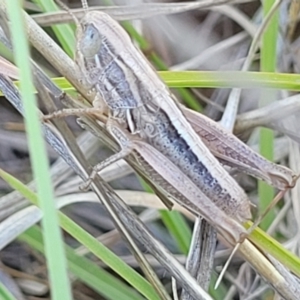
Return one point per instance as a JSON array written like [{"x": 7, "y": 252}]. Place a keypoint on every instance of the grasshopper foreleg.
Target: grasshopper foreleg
[{"x": 70, "y": 112}]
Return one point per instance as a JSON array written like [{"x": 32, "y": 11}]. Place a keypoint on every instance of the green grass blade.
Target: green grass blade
[
  {"x": 60, "y": 286},
  {"x": 217, "y": 79},
  {"x": 88, "y": 272},
  {"x": 178, "y": 228},
  {"x": 268, "y": 63},
  {"x": 231, "y": 79},
  {"x": 274, "y": 248},
  {"x": 5, "y": 293}
]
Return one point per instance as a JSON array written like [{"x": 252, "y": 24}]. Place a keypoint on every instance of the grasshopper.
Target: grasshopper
[
  {"x": 168, "y": 141},
  {"x": 133, "y": 129}
]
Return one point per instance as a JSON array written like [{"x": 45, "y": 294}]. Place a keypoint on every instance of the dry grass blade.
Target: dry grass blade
[
  {"x": 8, "y": 68},
  {"x": 281, "y": 115},
  {"x": 132, "y": 12},
  {"x": 201, "y": 254}
]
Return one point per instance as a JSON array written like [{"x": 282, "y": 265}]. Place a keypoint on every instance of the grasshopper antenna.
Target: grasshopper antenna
[
  {"x": 67, "y": 9},
  {"x": 85, "y": 5},
  {"x": 252, "y": 227}
]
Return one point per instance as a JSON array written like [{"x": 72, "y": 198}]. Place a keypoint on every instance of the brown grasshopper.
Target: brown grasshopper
[
  {"x": 139, "y": 126},
  {"x": 168, "y": 141}
]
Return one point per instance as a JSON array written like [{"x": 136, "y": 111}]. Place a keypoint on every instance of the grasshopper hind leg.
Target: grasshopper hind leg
[
  {"x": 107, "y": 162},
  {"x": 126, "y": 148}
]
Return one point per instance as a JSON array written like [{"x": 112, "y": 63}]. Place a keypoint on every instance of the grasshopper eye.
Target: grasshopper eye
[{"x": 91, "y": 41}]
